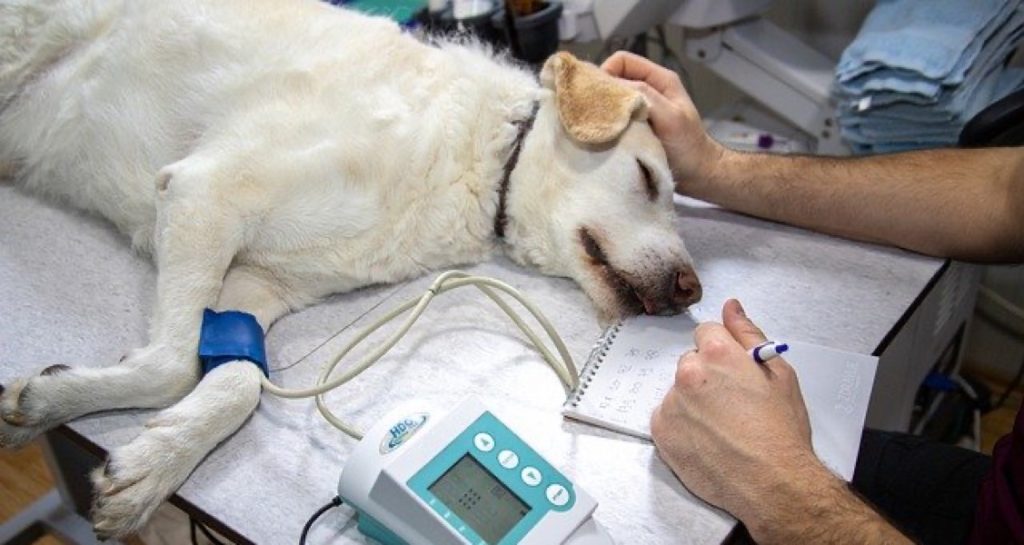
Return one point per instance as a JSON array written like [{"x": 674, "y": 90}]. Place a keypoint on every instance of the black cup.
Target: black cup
[{"x": 534, "y": 37}]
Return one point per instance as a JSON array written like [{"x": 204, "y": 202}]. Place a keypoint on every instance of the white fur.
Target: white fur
[{"x": 268, "y": 153}]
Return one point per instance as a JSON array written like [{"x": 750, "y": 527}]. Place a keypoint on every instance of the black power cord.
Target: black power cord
[{"x": 309, "y": 523}]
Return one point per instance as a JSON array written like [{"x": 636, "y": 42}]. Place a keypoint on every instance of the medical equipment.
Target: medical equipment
[
  {"x": 449, "y": 280},
  {"x": 469, "y": 479},
  {"x": 462, "y": 478},
  {"x": 733, "y": 40}
]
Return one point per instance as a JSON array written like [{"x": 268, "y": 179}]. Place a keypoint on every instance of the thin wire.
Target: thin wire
[
  {"x": 564, "y": 367},
  {"x": 569, "y": 378},
  {"x": 975, "y": 411},
  {"x": 336, "y": 333},
  {"x": 309, "y": 523}
]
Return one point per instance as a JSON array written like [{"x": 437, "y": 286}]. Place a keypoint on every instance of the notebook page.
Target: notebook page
[{"x": 628, "y": 374}]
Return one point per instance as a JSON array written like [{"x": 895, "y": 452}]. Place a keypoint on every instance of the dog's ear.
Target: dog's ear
[{"x": 593, "y": 107}]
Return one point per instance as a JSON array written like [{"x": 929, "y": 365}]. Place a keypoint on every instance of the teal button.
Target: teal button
[{"x": 531, "y": 476}]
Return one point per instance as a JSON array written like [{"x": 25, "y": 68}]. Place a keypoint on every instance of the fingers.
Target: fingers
[
  {"x": 660, "y": 109},
  {"x": 688, "y": 370},
  {"x": 749, "y": 336},
  {"x": 730, "y": 340},
  {"x": 782, "y": 370},
  {"x": 714, "y": 340},
  {"x": 739, "y": 326},
  {"x": 626, "y": 65},
  {"x": 656, "y": 100}
]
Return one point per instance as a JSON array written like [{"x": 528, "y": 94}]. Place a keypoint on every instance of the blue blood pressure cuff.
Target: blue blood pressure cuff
[{"x": 230, "y": 336}]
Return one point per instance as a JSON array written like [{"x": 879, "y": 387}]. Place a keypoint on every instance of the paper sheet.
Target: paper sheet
[{"x": 633, "y": 366}]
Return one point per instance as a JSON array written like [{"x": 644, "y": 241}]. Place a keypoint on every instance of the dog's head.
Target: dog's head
[{"x": 591, "y": 196}]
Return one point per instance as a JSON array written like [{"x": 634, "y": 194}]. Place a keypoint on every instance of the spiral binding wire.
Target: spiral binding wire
[{"x": 594, "y": 361}]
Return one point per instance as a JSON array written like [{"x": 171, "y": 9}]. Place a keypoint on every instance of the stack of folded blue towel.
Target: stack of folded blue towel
[{"x": 920, "y": 69}]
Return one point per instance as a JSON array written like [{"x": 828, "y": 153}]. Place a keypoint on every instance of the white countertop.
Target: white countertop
[{"x": 73, "y": 292}]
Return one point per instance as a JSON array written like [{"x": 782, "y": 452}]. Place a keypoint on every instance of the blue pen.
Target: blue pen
[{"x": 767, "y": 350}]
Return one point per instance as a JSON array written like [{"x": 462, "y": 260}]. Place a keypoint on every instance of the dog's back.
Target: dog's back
[{"x": 98, "y": 95}]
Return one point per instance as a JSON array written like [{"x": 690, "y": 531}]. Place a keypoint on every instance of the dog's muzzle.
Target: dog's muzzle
[{"x": 682, "y": 289}]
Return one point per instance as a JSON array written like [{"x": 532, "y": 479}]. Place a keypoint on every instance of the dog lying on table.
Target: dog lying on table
[{"x": 270, "y": 153}]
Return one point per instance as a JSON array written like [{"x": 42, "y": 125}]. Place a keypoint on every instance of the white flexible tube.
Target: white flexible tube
[
  {"x": 564, "y": 368},
  {"x": 1001, "y": 311}
]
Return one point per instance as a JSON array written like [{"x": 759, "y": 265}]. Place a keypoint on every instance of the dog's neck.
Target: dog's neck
[{"x": 524, "y": 126}]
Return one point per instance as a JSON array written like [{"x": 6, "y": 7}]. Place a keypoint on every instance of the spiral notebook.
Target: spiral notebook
[{"x": 633, "y": 365}]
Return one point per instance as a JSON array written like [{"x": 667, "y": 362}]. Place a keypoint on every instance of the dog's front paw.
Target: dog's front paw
[
  {"x": 139, "y": 476},
  {"x": 24, "y": 410},
  {"x": 14, "y": 437}
]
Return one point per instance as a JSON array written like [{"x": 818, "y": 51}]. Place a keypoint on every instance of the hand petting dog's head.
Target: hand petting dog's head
[{"x": 593, "y": 191}]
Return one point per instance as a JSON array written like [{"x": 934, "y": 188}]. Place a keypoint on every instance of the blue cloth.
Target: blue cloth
[
  {"x": 920, "y": 69},
  {"x": 896, "y": 81},
  {"x": 1000, "y": 42},
  {"x": 925, "y": 36},
  {"x": 231, "y": 336}
]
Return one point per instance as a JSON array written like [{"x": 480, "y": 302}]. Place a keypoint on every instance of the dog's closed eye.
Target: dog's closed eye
[
  {"x": 650, "y": 185},
  {"x": 592, "y": 248}
]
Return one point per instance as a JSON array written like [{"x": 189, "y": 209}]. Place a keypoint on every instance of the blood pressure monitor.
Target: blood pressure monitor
[{"x": 463, "y": 478}]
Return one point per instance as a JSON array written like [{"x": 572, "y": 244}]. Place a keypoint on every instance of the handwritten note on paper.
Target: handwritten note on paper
[{"x": 633, "y": 367}]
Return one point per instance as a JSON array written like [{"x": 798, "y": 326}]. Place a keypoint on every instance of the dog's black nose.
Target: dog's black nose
[
  {"x": 676, "y": 291},
  {"x": 688, "y": 290}
]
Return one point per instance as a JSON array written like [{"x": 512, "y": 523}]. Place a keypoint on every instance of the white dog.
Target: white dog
[{"x": 271, "y": 152}]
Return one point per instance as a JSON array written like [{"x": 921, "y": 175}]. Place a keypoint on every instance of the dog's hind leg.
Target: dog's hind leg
[
  {"x": 140, "y": 475},
  {"x": 195, "y": 243}
]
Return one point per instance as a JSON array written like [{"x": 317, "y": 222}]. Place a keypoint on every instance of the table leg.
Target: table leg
[{"x": 61, "y": 512}]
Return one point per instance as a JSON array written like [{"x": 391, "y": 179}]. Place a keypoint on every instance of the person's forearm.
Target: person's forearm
[
  {"x": 964, "y": 204},
  {"x": 814, "y": 506}
]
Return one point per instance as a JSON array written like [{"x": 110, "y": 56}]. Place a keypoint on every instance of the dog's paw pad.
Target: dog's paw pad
[
  {"x": 136, "y": 479},
  {"x": 13, "y": 432},
  {"x": 11, "y": 403},
  {"x": 13, "y": 437},
  {"x": 124, "y": 500},
  {"x": 23, "y": 405},
  {"x": 21, "y": 417}
]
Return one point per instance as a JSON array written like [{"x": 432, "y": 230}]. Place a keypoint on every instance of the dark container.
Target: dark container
[{"x": 534, "y": 37}]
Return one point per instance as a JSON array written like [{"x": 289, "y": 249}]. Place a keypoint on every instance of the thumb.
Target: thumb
[
  {"x": 741, "y": 328},
  {"x": 660, "y": 111}
]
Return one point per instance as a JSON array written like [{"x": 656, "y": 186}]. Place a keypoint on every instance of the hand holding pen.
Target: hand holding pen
[
  {"x": 767, "y": 350},
  {"x": 727, "y": 424}
]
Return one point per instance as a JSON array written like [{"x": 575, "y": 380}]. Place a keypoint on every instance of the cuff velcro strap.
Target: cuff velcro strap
[{"x": 231, "y": 336}]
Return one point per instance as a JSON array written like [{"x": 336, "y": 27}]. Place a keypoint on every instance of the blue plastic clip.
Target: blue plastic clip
[
  {"x": 937, "y": 381},
  {"x": 231, "y": 336}
]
